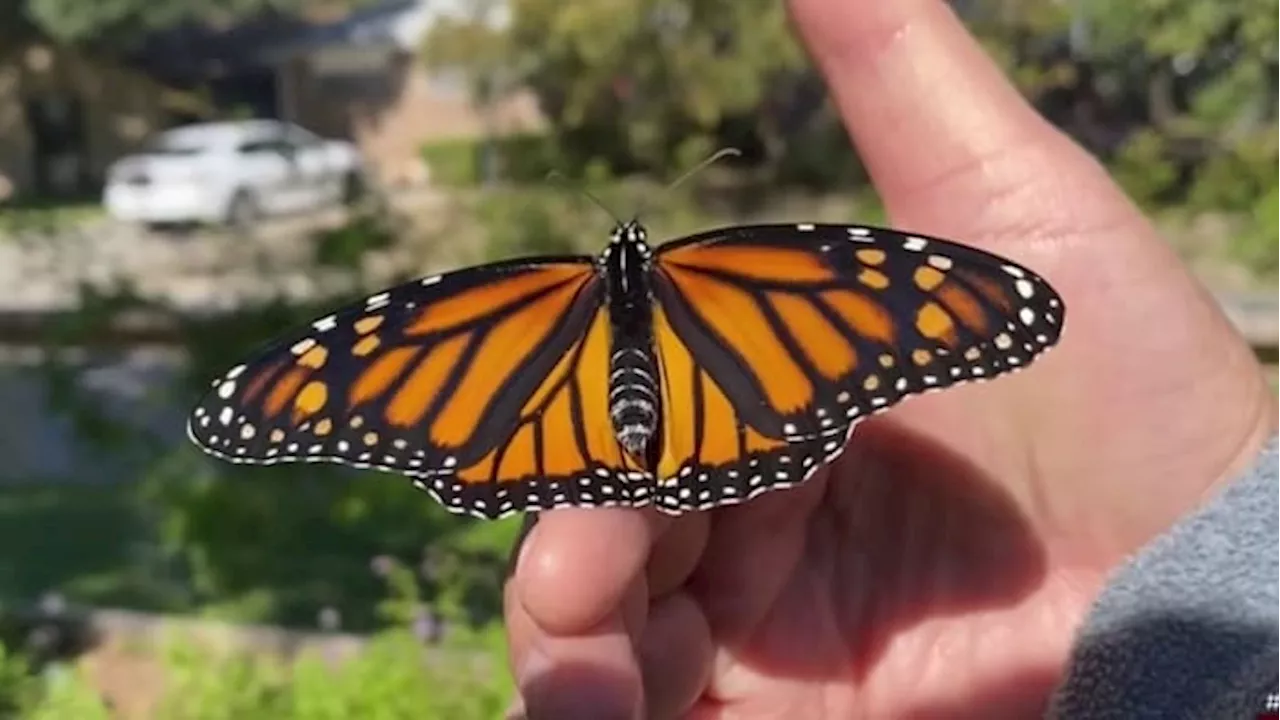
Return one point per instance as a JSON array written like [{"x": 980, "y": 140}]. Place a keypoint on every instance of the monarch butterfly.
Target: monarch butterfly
[{"x": 699, "y": 374}]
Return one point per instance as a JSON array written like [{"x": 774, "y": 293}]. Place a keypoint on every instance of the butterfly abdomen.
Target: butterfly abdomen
[
  {"x": 633, "y": 397},
  {"x": 633, "y": 376}
]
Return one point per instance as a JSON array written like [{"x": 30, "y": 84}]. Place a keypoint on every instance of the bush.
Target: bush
[
  {"x": 1144, "y": 169},
  {"x": 1236, "y": 178},
  {"x": 1257, "y": 245},
  {"x": 345, "y": 245},
  {"x": 391, "y": 678},
  {"x": 394, "y": 676}
]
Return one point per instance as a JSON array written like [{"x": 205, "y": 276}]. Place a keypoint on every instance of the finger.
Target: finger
[
  {"x": 676, "y": 553},
  {"x": 676, "y": 656},
  {"x": 593, "y": 673},
  {"x": 751, "y": 553},
  {"x": 590, "y": 675},
  {"x": 942, "y": 132},
  {"x": 576, "y": 564}
]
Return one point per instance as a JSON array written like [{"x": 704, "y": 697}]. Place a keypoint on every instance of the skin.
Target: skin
[{"x": 942, "y": 566}]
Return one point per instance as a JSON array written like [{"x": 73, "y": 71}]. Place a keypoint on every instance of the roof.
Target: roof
[{"x": 195, "y": 51}]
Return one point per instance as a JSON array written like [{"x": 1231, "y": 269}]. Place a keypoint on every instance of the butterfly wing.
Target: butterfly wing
[
  {"x": 781, "y": 337},
  {"x": 484, "y": 384}
]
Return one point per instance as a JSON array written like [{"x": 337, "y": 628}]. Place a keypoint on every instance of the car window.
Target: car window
[{"x": 269, "y": 144}]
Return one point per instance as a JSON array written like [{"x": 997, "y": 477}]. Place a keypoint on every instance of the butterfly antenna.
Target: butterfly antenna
[
  {"x": 711, "y": 160},
  {"x": 557, "y": 176}
]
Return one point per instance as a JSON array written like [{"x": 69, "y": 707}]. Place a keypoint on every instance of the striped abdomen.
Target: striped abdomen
[{"x": 633, "y": 397}]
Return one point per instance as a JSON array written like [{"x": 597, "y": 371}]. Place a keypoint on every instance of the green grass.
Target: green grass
[{"x": 46, "y": 216}]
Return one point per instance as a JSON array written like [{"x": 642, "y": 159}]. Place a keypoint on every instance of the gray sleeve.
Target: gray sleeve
[{"x": 1188, "y": 627}]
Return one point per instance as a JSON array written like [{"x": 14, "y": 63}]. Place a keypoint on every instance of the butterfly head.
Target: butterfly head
[{"x": 631, "y": 232}]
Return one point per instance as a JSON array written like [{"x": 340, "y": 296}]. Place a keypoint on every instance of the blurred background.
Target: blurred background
[{"x": 182, "y": 179}]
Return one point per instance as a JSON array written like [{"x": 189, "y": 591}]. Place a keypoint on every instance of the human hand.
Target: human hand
[{"x": 942, "y": 565}]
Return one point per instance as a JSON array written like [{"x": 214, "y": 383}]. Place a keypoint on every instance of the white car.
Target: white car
[{"x": 231, "y": 172}]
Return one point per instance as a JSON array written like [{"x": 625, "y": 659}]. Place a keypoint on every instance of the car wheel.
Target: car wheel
[{"x": 242, "y": 211}]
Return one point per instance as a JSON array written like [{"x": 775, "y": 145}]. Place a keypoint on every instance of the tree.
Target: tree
[
  {"x": 1224, "y": 53},
  {"x": 118, "y": 22},
  {"x": 655, "y": 80}
]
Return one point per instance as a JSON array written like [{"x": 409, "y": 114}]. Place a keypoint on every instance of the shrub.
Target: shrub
[
  {"x": 1144, "y": 169},
  {"x": 1257, "y": 245}
]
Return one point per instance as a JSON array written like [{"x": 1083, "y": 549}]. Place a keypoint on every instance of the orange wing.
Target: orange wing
[
  {"x": 461, "y": 381},
  {"x": 710, "y": 455},
  {"x": 795, "y": 333}
]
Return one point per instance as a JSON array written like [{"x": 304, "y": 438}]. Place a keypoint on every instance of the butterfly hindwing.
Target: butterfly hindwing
[
  {"x": 433, "y": 379},
  {"x": 807, "y": 329},
  {"x": 562, "y": 451},
  {"x": 711, "y": 456}
]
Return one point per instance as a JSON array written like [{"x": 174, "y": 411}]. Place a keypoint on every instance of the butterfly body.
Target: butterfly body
[
  {"x": 634, "y": 399},
  {"x": 699, "y": 373}
]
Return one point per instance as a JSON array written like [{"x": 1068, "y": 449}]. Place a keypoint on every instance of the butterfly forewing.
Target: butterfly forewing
[
  {"x": 804, "y": 330},
  {"x": 447, "y": 379}
]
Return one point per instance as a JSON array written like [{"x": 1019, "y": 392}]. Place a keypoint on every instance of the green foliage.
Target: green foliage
[
  {"x": 1258, "y": 242},
  {"x": 1144, "y": 169},
  {"x": 45, "y": 218},
  {"x": 453, "y": 163},
  {"x": 67, "y": 695},
  {"x": 286, "y": 543},
  {"x": 1235, "y": 178},
  {"x": 346, "y": 245},
  {"x": 393, "y": 675},
  {"x": 532, "y": 222},
  {"x": 821, "y": 157},
  {"x": 18, "y": 689},
  {"x": 653, "y": 81},
  {"x": 120, "y": 21},
  {"x": 526, "y": 159}
]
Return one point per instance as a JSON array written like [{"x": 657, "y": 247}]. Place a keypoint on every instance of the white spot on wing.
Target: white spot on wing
[
  {"x": 914, "y": 244},
  {"x": 325, "y": 324},
  {"x": 1024, "y": 288},
  {"x": 805, "y": 227}
]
